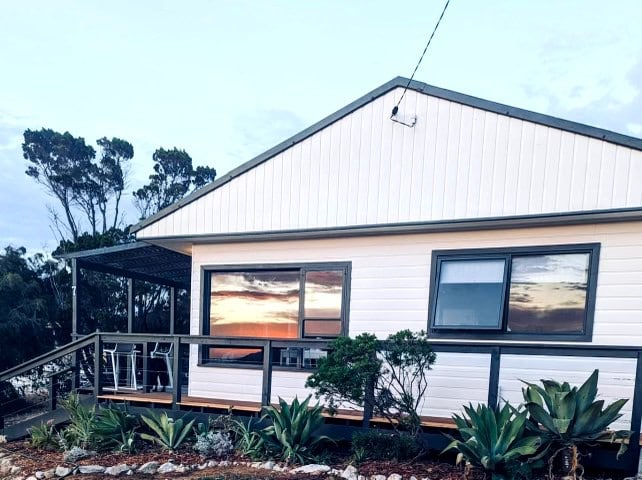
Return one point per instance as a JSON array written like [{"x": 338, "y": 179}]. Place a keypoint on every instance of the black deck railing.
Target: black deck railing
[{"x": 181, "y": 343}]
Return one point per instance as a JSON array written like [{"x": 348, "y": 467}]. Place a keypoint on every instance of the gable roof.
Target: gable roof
[{"x": 467, "y": 100}]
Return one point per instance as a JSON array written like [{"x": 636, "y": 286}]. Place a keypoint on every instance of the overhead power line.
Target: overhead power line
[{"x": 396, "y": 107}]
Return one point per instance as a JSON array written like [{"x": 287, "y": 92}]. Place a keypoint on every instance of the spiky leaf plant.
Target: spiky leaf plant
[
  {"x": 495, "y": 441},
  {"x": 293, "y": 433},
  {"x": 169, "y": 433},
  {"x": 116, "y": 428},
  {"x": 569, "y": 417}
]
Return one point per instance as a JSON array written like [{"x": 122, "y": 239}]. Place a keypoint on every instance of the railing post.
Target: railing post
[
  {"x": 75, "y": 357},
  {"x": 146, "y": 377},
  {"x": 98, "y": 354},
  {"x": 53, "y": 392},
  {"x": 633, "y": 452},
  {"x": 493, "y": 377},
  {"x": 176, "y": 374},
  {"x": 266, "y": 391}
]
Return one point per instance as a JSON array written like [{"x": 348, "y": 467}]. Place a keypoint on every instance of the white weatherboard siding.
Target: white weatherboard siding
[
  {"x": 457, "y": 162},
  {"x": 390, "y": 283},
  {"x": 617, "y": 377}
]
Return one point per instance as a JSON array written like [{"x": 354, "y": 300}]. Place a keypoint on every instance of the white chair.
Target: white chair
[
  {"x": 167, "y": 355},
  {"x": 129, "y": 351}
]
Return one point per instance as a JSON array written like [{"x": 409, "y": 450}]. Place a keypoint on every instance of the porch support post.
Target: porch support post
[
  {"x": 75, "y": 358},
  {"x": 172, "y": 310},
  {"x": 176, "y": 373},
  {"x": 98, "y": 355},
  {"x": 632, "y": 455},
  {"x": 493, "y": 378},
  {"x": 266, "y": 391},
  {"x": 131, "y": 312}
]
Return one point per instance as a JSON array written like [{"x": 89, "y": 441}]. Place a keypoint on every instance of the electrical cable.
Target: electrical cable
[{"x": 396, "y": 107}]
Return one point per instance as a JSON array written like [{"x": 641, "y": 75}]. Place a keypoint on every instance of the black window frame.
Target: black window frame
[
  {"x": 303, "y": 268},
  {"x": 459, "y": 332}
]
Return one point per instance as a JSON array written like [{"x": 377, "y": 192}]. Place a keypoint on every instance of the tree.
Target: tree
[
  {"x": 66, "y": 166},
  {"x": 173, "y": 178},
  {"x": 388, "y": 378}
]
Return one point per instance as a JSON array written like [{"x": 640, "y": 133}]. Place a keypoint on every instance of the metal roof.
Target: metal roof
[
  {"x": 475, "y": 102},
  {"x": 138, "y": 260}
]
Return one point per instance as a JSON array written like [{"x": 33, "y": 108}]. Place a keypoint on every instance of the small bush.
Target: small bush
[
  {"x": 81, "y": 430},
  {"x": 213, "y": 444},
  {"x": 249, "y": 441},
  {"x": 168, "y": 433},
  {"x": 43, "y": 436},
  {"x": 116, "y": 429},
  {"x": 380, "y": 445}
]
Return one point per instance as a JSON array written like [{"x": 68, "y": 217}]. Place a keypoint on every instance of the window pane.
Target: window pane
[
  {"x": 548, "y": 293},
  {"x": 469, "y": 294},
  {"x": 322, "y": 328},
  {"x": 255, "y": 304},
  {"x": 242, "y": 355},
  {"x": 323, "y": 293}
]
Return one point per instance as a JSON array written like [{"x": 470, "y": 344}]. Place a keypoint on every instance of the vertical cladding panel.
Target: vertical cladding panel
[
  {"x": 333, "y": 174},
  {"x": 374, "y": 162},
  {"x": 498, "y": 185},
  {"x": 512, "y": 166},
  {"x": 288, "y": 385},
  {"x": 456, "y": 379},
  {"x": 365, "y": 147},
  {"x": 456, "y": 162},
  {"x": 580, "y": 162},
  {"x": 564, "y": 180},
  {"x": 418, "y": 158},
  {"x": 344, "y": 172},
  {"x": 324, "y": 177},
  {"x": 488, "y": 165},
  {"x": 593, "y": 172},
  {"x": 277, "y": 189},
  {"x": 616, "y": 380},
  {"x": 441, "y": 152},
  {"x": 551, "y": 170},
  {"x": 538, "y": 168},
  {"x": 476, "y": 161},
  {"x": 409, "y": 104},
  {"x": 452, "y": 161}
]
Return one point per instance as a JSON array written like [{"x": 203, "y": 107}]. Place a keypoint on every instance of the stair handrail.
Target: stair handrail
[{"x": 48, "y": 357}]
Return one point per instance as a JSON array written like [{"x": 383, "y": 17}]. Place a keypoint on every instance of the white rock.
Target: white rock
[
  {"x": 394, "y": 476},
  {"x": 378, "y": 477},
  {"x": 116, "y": 470},
  {"x": 212, "y": 463},
  {"x": 62, "y": 471},
  {"x": 202, "y": 466},
  {"x": 413, "y": 478},
  {"x": 129, "y": 472},
  {"x": 15, "y": 469},
  {"x": 350, "y": 473},
  {"x": 39, "y": 475},
  {"x": 182, "y": 469},
  {"x": 255, "y": 464},
  {"x": 91, "y": 469},
  {"x": 6, "y": 461},
  {"x": 312, "y": 469},
  {"x": 149, "y": 468},
  {"x": 31, "y": 478},
  {"x": 224, "y": 463},
  {"x": 334, "y": 471},
  {"x": 167, "y": 468},
  {"x": 361, "y": 477},
  {"x": 51, "y": 473},
  {"x": 269, "y": 465}
]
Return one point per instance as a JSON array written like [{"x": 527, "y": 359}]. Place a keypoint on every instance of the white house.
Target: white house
[{"x": 514, "y": 238}]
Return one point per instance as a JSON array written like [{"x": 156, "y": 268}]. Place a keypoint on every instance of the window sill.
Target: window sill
[
  {"x": 276, "y": 368},
  {"x": 447, "y": 334}
]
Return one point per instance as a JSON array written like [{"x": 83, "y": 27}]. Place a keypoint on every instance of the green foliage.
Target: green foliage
[
  {"x": 81, "y": 430},
  {"x": 249, "y": 441},
  {"x": 293, "y": 433},
  {"x": 496, "y": 441},
  {"x": 379, "y": 445},
  {"x": 568, "y": 417},
  {"x": 167, "y": 432},
  {"x": 43, "y": 436},
  {"x": 116, "y": 429}
]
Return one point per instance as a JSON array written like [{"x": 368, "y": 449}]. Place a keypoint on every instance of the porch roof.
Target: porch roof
[{"x": 138, "y": 260}]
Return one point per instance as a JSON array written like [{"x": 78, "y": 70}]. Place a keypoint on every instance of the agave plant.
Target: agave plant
[
  {"x": 116, "y": 428},
  {"x": 248, "y": 440},
  {"x": 169, "y": 433},
  {"x": 495, "y": 440},
  {"x": 292, "y": 435},
  {"x": 569, "y": 417}
]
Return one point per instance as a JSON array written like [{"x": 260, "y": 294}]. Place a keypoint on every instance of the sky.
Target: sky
[{"x": 227, "y": 80}]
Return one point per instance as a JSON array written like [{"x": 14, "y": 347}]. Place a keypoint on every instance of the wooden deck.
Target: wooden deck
[{"x": 254, "y": 408}]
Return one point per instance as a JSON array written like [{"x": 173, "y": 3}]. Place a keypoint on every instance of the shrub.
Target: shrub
[
  {"x": 43, "y": 436},
  {"x": 80, "y": 432},
  {"x": 168, "y": 433},
  {"x": 213, "y": 444},
  {"x": 495, "y": 441},
  {"x": 380, "y": 445},
  {"x": 116, "y": 429},
  {"x": 249, "y": 441},
  {"x": 569, "y": 417},
  {"x": 293, "y": 433}
]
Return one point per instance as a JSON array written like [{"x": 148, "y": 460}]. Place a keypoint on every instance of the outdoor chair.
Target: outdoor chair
[
  {"x": 129, "y": 351},
  {"x": 165, "y": 353}
]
